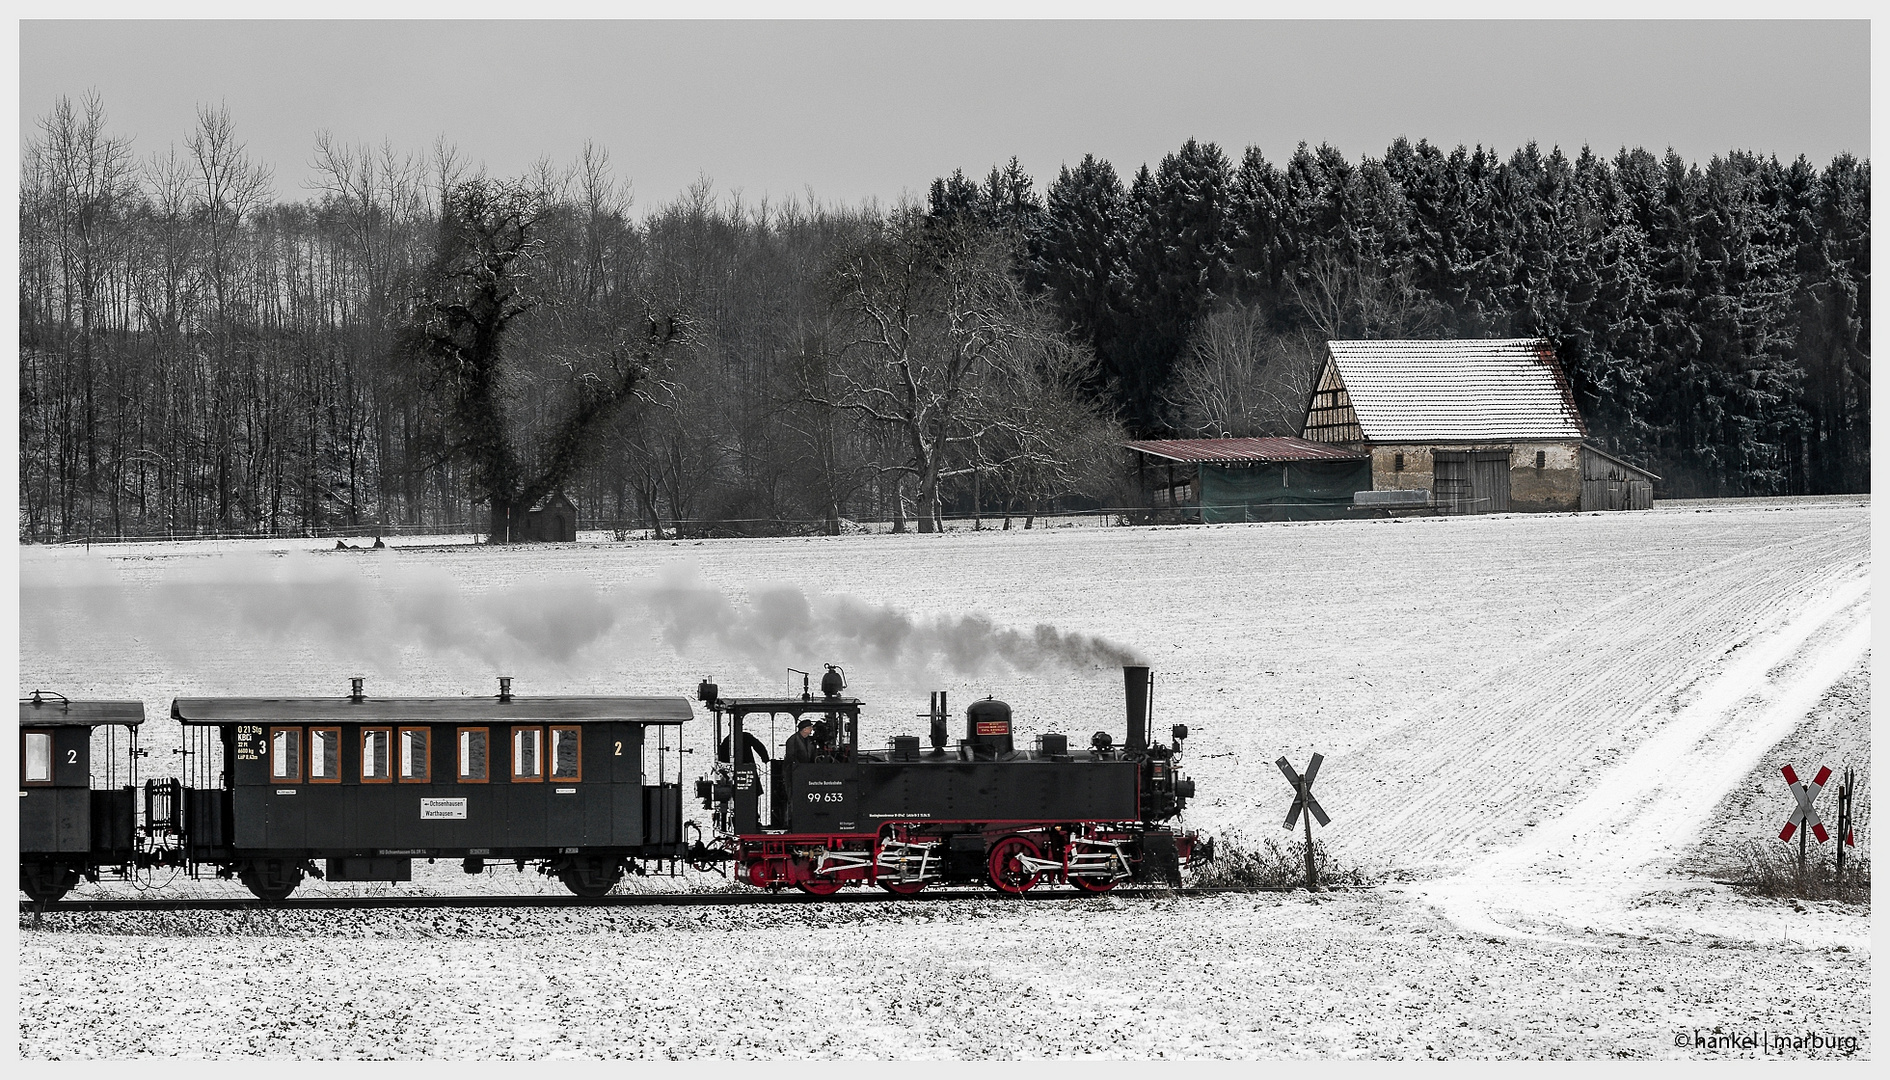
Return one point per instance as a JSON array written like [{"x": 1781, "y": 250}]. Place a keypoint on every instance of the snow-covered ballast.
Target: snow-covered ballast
[
  {"x": 977, "y": 810},
  {"x": 577, "y": 785}
]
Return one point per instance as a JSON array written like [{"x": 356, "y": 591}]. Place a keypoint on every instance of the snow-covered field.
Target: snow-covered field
[{"x": 1546, "y": 734}]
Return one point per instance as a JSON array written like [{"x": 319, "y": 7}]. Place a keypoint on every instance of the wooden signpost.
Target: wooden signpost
[
  {"x": 1303, "y": 800},
  {"x": 1847, "y": 791}
]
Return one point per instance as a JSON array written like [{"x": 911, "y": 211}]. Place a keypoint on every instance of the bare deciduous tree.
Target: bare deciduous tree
[{"x": 1241, "y": 380}]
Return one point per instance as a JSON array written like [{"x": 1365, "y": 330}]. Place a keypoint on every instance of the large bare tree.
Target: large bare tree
[{"x": 464, "y": 329}]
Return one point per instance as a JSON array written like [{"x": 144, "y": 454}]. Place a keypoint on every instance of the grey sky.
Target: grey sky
[{"x": 856, "y": 110}]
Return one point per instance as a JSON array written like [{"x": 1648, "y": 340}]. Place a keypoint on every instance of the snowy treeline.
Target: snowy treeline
[{"x": 200, "y": 353}]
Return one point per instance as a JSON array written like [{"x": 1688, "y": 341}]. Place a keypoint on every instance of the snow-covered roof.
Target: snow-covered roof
[{"x": 1510, "y": 388}]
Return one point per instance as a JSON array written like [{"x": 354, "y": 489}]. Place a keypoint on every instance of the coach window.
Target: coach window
[
  {"x": 527, "y": 754},
  {"x": 324, "y": 755},
  {"x": 374, "y": 756},
  {"x": 36, "y": 757},
  {"x": 564, "y": 754},
  {"x": 472, "y": 755},
  {"x": 285, "y": 755},
  {"x": 413, "y": 756}
]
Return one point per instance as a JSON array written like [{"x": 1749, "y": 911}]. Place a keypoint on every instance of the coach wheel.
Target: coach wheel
[
  {"x": 1008, "y": 872},
  {"x": 271, "y": 879},
  {"x": 592, "y": 877},
  {"x": 903, "y": 888},
  {"x": 45, "y": 882},
  {"x": 824, "y": 886},
  {"x": 1093, "y": 884}
]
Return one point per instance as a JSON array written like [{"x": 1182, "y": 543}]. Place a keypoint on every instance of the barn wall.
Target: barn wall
[{"x": 1557, "y": 486}]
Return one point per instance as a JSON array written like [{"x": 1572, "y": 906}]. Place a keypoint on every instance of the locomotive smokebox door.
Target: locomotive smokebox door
[{"x": 824, "y": 798}]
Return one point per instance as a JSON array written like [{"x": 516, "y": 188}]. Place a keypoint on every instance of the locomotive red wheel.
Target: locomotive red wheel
[
  {"x": 903, "y": 888},
  {"x": 824, "y": 886},
  {"x": 1008, "y": 873},
  {"x": 1090, "y": 884}
]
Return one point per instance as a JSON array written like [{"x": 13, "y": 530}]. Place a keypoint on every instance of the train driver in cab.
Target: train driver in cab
[{"x": 800, "y": 745}]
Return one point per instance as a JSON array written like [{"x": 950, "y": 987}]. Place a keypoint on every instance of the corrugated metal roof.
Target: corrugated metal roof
[
  {"x": 519, "y": 710},
  {"x": 1263, "y": 451},
  {"x": 1510, "y": 388}
]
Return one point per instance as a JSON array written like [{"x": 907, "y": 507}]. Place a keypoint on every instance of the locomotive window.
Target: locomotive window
[
  {"x": 413, "y": 756},
  {"x": 472, "y": 755},
  {"x": 285, "y": 754},
  {"x": 324, "y": 755},
  {"x": 527, "y": 763},
  {"x": 36, "y": 757},
  {"x": 374, "y": 763},
  {"x": 564, "y": 754}
]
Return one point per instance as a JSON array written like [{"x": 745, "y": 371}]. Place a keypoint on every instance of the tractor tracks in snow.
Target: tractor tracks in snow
[
  {"x": 1488, "y": 761},
  {"x": 1588, "y": 865}
]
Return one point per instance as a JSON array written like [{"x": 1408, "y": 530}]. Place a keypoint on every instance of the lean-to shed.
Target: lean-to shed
[
  {"x": 1485, "y": 426},
  {"x": 1271, "y": 479}
]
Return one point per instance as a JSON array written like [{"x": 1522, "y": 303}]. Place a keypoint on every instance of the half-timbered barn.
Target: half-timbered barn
[
  {"x": 1271, "y": 479},
  {"x": 1484, "y": 426}
]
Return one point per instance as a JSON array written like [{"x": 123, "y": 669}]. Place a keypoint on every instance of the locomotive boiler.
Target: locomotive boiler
[{"x": 974, "y": 809}]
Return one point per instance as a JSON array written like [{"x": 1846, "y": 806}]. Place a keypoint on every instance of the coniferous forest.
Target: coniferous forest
[{"x": 412, "y": 344}]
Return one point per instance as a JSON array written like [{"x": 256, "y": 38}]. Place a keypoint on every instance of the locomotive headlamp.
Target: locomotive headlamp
[
  {"x": 1102, "y": 741},
  {"x": 1179, "y": 731}
]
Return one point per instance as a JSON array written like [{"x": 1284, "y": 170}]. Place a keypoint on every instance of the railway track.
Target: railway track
[{"x": 332, "y": 903}]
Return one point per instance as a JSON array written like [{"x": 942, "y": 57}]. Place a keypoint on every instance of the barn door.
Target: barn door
[
  {"x": 1489, "y": 482},
  {"x": 1450, "y": 481}
]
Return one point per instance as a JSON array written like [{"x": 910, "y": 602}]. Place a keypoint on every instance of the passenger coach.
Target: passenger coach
[{"x": 578, "y": 785}]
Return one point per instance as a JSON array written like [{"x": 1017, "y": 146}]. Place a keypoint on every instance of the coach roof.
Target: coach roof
[
  {"x": 50, "y": 710},
  {"x": 460, "y": 710}
]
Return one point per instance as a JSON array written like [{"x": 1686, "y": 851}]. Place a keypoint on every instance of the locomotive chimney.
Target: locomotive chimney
[
  {"x": 354, "y": 692},
  {"x": 505, "y": 688},
  {"x": 1136, "y": 686}
]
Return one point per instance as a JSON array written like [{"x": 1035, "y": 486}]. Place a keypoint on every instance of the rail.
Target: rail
[{"x": 717, "y": 899}]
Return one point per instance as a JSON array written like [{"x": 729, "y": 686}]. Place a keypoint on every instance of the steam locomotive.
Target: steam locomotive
[
  {"x": 979, "y": 809},
  {"x": 355, "y": 788}
]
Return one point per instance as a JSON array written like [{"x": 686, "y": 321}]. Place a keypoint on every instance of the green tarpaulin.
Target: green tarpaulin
[{"x": 1296, "y": 491}]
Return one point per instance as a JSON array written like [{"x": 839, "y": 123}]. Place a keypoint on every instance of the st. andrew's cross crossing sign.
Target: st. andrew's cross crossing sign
[
  {"x": 1303, "y": 800},
  {"x": 1804, "y": 816},
  {"x": 1302, "y": 791}
]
